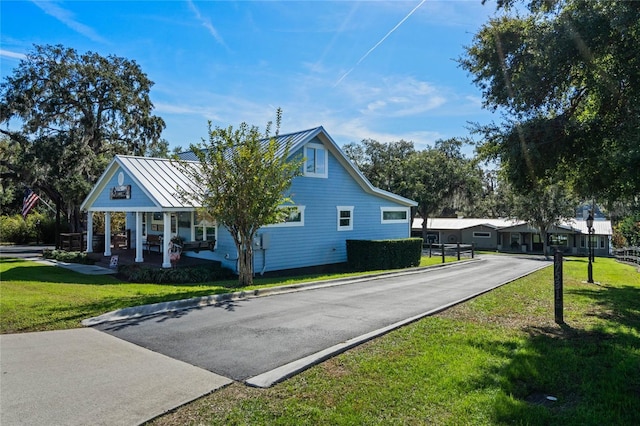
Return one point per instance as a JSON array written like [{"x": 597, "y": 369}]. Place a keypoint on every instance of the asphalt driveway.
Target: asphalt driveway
[{"x": 264, "y": 340}]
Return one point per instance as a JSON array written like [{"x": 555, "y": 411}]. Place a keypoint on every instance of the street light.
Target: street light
[{"x": 590, "y": 248}]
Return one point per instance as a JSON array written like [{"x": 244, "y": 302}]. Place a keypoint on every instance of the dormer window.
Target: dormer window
[{"x": 315, "y": 164}]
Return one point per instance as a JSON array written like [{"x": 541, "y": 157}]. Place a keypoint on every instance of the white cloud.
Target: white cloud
[
  {"x": 67, "y": 18},
  {"x": 12, "y": 55},
  {"x": 206, "y": 22},
  {"x": 395, "y": 97}
]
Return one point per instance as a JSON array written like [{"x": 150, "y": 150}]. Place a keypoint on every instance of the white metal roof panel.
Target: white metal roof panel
[
  {"x": 162, "y": 180},
  {"x": 601, "y": 227}
]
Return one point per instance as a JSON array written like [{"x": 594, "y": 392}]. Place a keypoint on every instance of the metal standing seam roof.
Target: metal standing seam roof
[
  {"x": 464, "y": 223},
  {"x": 162, "y": 180},
  {"x": 601, "y": 227},
  {"x": 295, "y": 140},
  {"x": 298, "y": 139}
]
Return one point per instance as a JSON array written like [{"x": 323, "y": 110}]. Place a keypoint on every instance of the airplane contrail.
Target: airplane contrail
[{"x": 379, "y": 43}]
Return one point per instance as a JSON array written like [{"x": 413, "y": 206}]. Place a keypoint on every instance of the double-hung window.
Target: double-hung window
[
  {"x": 205, "y": 230},
  {"x": 345, "y": 218},
  {"x": 316, "y": 159}
]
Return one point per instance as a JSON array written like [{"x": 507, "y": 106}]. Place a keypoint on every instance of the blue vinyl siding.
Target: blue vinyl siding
[
  {"x": 138, "y": 197},
  {"x": 319, "y": 242}
]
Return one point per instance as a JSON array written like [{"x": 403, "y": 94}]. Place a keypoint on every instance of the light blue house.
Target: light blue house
[{"x": 334, "y": 203}]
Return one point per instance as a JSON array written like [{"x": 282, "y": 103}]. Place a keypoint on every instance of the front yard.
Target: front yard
[
  {"x": 37, "y": 297},
  {"x": 498, "y": 359}
]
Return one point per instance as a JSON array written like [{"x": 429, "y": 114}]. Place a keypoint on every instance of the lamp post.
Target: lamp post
[{"x": 590, "y": 248}]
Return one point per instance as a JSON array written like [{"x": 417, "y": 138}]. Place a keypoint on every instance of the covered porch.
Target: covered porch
[
  {"x": 150, "y": 193},
  {"x": 149, "y": 236},
  {"x": 153, "y": 260}
]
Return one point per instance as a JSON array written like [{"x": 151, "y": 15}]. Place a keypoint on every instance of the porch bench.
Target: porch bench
[
  {"x": 153, "y": 241},
  {"x": 196, "y": 246},
  {"x": 119, "y": 241}
]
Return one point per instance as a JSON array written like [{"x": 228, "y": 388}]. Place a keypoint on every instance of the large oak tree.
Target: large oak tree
[
  {"x": 67, "y": 114},
  {"x": 566, "y": 77}
]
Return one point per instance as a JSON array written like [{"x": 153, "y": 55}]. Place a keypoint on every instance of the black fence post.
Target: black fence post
[
  {"x": 458, "y": 249},
  {"x": 557, "y": 287},
  {"x": 442, "y": 245}
]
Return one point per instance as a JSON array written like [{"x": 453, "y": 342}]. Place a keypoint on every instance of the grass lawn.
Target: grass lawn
[
  {"x": 38, "y": 297},
  {"x": 493, "y": 360}
]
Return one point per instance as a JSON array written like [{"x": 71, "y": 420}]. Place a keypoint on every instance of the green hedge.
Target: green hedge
[
  {"x": 68, "y": 256},
  {"x": 187, "y": 275},
  {"x": 36, "y": 227},
  {"x": 373, "y": 255}
]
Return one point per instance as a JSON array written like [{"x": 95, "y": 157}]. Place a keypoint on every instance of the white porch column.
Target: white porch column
[
  {"x": 193, "y": 226},
  {"x": 166, "y": 263},
  {"x": 107, "y": 233},
  {"x": 89, "y": 232},
  {"x": 139, "y": 249}
]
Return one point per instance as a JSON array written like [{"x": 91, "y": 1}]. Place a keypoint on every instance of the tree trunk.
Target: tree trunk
[
  {"x": 545, "y": 244},
  {"x": 424, "y": 231},
  {"x": 245, "y": 264},
  {"x": 57, "y": 226}
]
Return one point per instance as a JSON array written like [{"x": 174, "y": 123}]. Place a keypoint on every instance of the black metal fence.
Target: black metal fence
[
  {"x": 458, "y": 250},
  {"x": 628, "y": 254}
]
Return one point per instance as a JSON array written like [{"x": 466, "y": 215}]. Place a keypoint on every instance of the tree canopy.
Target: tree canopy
[
  {"x": 67, "y": 114},
  {"x": 566, "y": 76},
  {"x": 383, "y": 163},
  {"x": 543, "y": 207},
  {"x": 439, "y": 178},
  {"x": 242, "y": 178}
]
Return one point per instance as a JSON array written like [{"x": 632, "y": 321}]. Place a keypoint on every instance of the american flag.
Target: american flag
[{"x": 30, "y": 200}]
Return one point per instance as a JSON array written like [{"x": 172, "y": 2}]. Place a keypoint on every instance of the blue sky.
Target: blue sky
[{"x": 383, "y": 70}]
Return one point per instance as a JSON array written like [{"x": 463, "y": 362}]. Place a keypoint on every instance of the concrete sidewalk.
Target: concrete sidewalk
[
  {"x": 84, "y": 376},
  {"x": 34, "y": 253},
  {"x": 76, "y": 267}
]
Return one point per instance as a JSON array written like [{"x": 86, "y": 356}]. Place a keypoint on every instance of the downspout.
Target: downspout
[{"x": 264, "y": 262}]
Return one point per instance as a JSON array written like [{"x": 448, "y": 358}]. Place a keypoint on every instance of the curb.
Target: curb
[
  {"x": 270, "y": 378},
  {"x": 204, "y": 301}
]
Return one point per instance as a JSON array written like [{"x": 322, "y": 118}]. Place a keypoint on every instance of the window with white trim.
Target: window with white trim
[
  {"x": 205, "y": 230},
  {"x": 316, "y": 160},
  {"x": 345, "y": 218},
  {"x": 481, "y": 234},
  {"x": 394, "y": 215},
  {"x": 295, "y": 217}
]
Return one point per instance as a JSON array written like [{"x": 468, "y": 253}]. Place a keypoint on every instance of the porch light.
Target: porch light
[{"x": 590, "y": 249}]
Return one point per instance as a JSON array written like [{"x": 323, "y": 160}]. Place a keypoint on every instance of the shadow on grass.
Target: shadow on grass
[
  {"x": 54, "y": 274},
  {"x": 54, "y": 317},
  {"x": 571, "y": 376}
]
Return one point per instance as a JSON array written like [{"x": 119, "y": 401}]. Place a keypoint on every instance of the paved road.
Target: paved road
[
  {"x": 248, "y": 339},
  {"x": 23, "y": 252}
]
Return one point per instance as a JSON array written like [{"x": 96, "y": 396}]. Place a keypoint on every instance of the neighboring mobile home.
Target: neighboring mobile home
[
  {"x": 517, "y": 236},
  {"x": 334, "y": 203}
]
